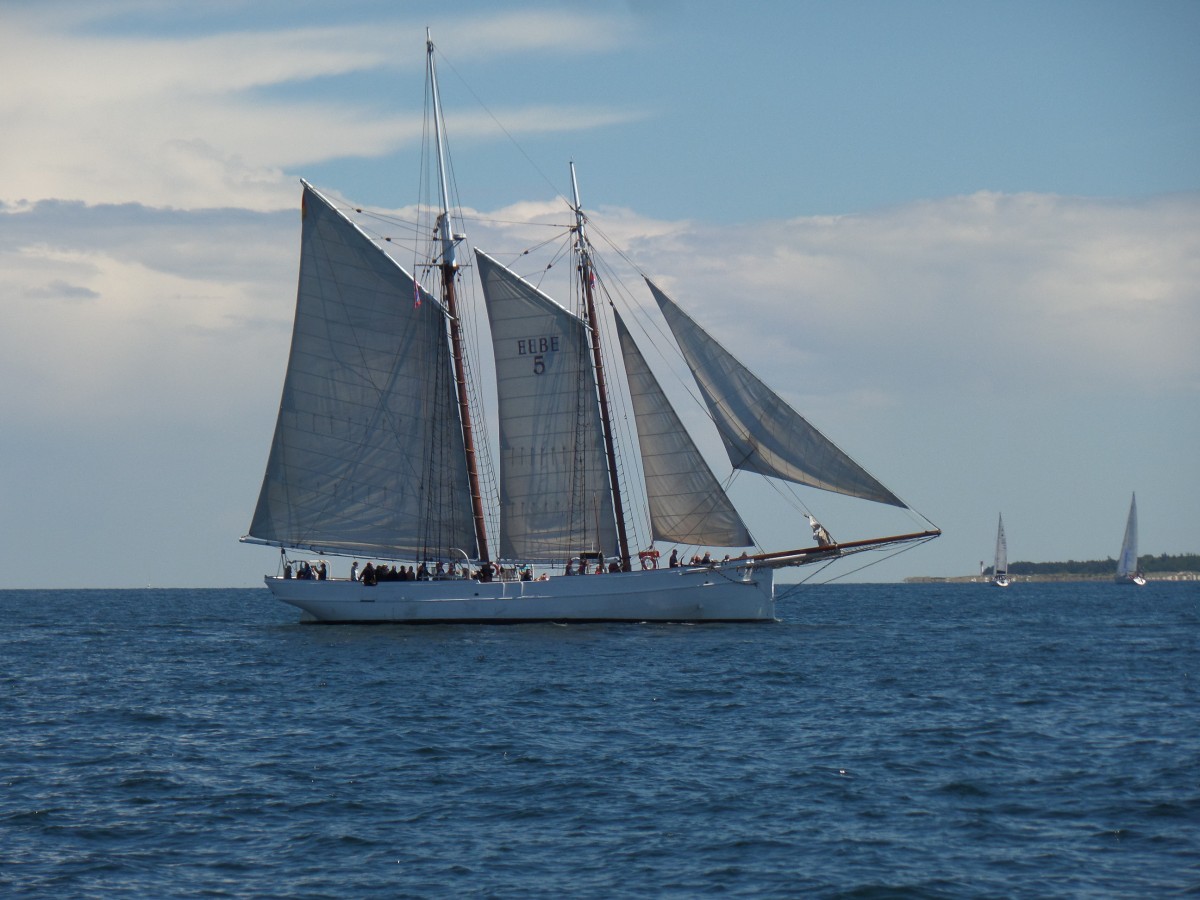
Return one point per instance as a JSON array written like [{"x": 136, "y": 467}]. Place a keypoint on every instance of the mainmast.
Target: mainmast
[
  {"x": 587, "y": 278},
  {"x": 449, "y": 269}
]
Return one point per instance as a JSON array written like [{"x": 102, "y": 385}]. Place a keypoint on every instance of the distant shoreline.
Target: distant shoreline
[{"x": 984, "y": 579}]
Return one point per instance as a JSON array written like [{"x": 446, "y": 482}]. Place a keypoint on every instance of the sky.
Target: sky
[{"x": 962, "y": 238}]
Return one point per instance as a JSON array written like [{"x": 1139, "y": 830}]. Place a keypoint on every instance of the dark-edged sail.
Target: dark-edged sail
[{"x": 761, "y": 432}]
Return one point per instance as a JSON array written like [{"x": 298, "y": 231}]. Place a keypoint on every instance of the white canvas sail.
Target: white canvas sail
[
  {"x": 761, "y": 432},
  {"x": 555, "y": 496},
  {"x": 1127, "y": 564},
  {"x": 1000, "y": 568},
  {"x": 687, "y": 504},
  {"x": 367, "y": 456}
]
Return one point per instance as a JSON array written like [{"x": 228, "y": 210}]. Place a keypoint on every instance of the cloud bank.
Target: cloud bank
[{"x": 216, "y": 119}]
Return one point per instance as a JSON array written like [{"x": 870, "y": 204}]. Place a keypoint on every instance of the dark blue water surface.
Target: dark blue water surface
[{"x": 881, "y": 741}]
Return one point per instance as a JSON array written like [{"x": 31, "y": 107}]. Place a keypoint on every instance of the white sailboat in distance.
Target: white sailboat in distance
[
  {"x": 1000, "y": 567},
  {"x": 1128, "y": 571},
  {"x": 379, "y": 455}
]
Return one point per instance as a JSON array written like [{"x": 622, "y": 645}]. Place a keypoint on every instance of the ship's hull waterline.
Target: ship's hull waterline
[{"x": 708, "y": 594}]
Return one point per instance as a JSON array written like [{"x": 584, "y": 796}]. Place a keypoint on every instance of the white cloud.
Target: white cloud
[
  {"x": 985, "y": 288},
  {"x": 203, "y": 121}
]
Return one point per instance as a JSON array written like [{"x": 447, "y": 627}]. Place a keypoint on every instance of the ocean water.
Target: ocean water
[{"x": 880, "y": 741}]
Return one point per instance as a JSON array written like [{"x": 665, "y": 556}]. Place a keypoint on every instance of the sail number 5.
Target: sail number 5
[{"x": 538, "y": 348}]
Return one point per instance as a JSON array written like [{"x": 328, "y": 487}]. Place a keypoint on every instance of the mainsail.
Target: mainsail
[
  {"x": 1127, "y": 564},
  {"x": 687, "y": 504},
  {"x": 761, "y": 432},
  {"x": 1001, "y": 565},
  {"x": 555, "y": 496},
  {"x": 368, "y": 453}
]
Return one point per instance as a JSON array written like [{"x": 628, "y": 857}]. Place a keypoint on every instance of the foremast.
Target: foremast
[
  {"x": 588, "y": 280},
  {"x": 448, "y": 266}
]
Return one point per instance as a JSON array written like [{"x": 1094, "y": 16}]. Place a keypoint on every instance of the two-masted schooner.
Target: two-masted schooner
[{"x": 377, "y": 451}]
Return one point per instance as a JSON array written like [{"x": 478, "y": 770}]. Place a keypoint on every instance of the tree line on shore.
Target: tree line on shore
[{"x": 1183, "y": 562}]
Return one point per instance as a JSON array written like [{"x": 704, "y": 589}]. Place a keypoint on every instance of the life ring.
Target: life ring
[{"x": 649, "y": 559}]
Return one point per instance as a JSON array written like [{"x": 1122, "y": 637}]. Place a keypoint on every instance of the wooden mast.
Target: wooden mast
[
  {"x": 449, "y": 269},
  {"x": 587, "y": 278}
]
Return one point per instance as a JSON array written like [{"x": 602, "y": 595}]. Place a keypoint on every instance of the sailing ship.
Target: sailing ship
[
  {"x": 378, "y": 451},
  {"x": 1000, "y": 567},
  {"x": 1128, "y": 571}
]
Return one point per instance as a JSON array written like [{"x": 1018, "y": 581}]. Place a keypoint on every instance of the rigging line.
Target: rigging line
[
  {"x": 396, "y": 221},
  {"x": 786, "y": 593},
  {"x": 905, "y": 548},
  {"x": 817, "y": 571},
  {"x": 500, "y": 125},
  {"x": 630, "y": 468},
  {"x": 562, "y": 253},
  {"x": 594, "y": 228},
  {"x": 487, "y": 220},
  {"x": 790, "y": 495}
]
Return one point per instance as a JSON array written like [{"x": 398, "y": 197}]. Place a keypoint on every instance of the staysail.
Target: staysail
[
  {"x": 555, "y": 497},
  {"x": 1127, "y": 565},
  {"x": 687, "y": 504},
  {"x": 761, "y": 432},
  {"x": 367, "y": 456}
]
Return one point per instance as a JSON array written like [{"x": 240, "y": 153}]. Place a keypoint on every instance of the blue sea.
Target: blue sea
[{"x": 879, "y": 741}]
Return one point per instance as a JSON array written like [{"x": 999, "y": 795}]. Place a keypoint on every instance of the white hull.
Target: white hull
[
  {"x": 1001, "y": 581},
  {"x": 729, "y": 593},
  {"x": 1130, "y": 579}
]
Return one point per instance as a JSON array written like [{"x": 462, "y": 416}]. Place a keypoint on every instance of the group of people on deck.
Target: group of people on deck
[
  {"x": 706, "y": 560},
  {"x": 584, "y": 567},
  {"x": 307, "y": 572},
  {"x": 372, "y": 574},
  {"x": 488, "y": 571}
]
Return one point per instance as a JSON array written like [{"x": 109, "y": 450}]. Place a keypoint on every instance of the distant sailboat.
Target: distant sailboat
[
  {"x": 376, "y": 455},
  {"x": 1000, "y": 569},
  {"x": 1127, "y": 564}
]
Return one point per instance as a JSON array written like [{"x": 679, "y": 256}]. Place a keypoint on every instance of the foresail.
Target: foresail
[
  {"x": 761, "y": 432},
  {"x": 555, "y": 497},
  {"x": 1128, "y": 563},
  {"x": 368, "y": 452},
  {"x": 687, "y": 504}
]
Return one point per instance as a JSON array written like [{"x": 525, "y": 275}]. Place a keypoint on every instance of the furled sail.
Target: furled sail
[
  {"x": 555, "y": 496},
  {"x": 368, "y": 452},
  {"x": 686, "y": 502},
  {"x": 1128, "y": 562},
  {"x": 760, "y": 431},
  {"x": 1001, "y": 566}
]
